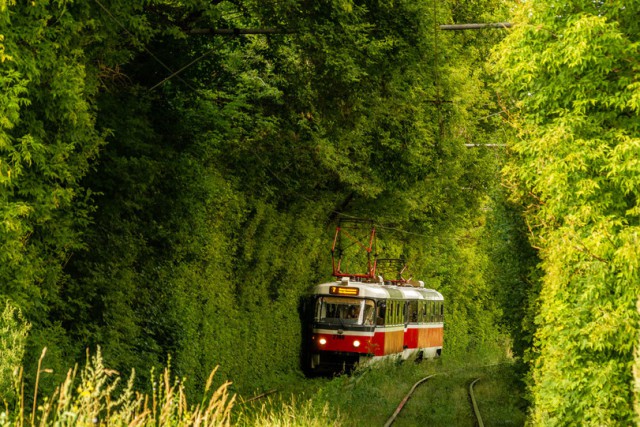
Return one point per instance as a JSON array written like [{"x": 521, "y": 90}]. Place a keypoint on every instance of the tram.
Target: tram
[
  {"x": 370, "y": 315},
  {"x": 355, "y": 321}
]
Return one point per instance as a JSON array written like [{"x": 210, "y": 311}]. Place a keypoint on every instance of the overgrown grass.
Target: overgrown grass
[
  {"x": 444, "y": 399},
  {"x": 296, "y": 403},
  {"x": 498, "y": 404},
  {"x": 291, "y": 413},
  {"x": 96, "y": 396},
  {"x": 371, "y": 394}
]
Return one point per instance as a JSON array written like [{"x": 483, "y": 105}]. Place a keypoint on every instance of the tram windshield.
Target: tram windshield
[{"x": 345, "y": 311}]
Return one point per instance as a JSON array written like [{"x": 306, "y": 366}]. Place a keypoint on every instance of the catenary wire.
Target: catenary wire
[{"x": 158, "y": 60}]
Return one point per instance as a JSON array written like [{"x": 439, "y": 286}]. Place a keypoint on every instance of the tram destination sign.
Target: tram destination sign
[{"x": 344, "y": 290}]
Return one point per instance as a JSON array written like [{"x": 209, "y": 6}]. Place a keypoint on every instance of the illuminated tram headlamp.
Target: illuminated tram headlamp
[
  {"x": 356, "y": 343},
  {"x": 322, "y": 341}
]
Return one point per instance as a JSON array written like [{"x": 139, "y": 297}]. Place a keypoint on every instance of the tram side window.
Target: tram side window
[
  {"x": 392, "y": 318},
  {"x": 389, "y": 313},
  {"x": 412, "y": 311},
  {"x": 394, "y": 308},
  {"x": 392, "y": 314},
  {"x": 405, "y": 312},
  {"x": 369, "y": 311},
  {"x": 382, "y": 312}
]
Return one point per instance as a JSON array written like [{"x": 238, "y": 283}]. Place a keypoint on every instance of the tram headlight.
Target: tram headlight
[
  {"x": 356, "y": 343},
  {"x": 322, "y": 341}
]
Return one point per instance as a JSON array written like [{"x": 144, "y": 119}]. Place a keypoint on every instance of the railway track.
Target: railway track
[
  {"x": 258, "y": 397},
  {"x": 474, "y": 404}
]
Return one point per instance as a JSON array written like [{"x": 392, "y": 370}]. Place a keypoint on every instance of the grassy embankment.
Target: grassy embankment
[
  {"x": 96, "y": 396},
  {"x": 370, "y": 395}
]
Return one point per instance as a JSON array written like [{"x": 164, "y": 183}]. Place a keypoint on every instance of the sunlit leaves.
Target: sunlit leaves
[{"x": 570, "y": 67}]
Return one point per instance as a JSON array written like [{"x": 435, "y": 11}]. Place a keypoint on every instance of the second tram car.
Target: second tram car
[{"x": 353, "y": 321}]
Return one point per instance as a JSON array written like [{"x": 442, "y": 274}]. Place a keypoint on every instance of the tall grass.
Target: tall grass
[
  {"x": 290, "y": 414},
  {"x": 371, "y": 394},
  {"x": 95, "y": 397}
]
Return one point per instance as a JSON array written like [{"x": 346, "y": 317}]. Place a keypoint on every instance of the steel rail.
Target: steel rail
[
  {"x": 405, "y": 400},
  {"x": 476, "y": 410},
  {"x": 259, "y": 396},
  {"x": 456, "y": 27}
]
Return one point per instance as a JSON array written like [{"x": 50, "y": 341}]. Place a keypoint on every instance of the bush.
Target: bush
[{"x": 13, "y": 334}]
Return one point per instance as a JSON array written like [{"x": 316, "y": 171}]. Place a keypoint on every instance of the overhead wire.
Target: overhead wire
[
  {"x": 170, "y": 76},
  {"x": 175, "y": 73},
  {"x": 154, "y": 56}
]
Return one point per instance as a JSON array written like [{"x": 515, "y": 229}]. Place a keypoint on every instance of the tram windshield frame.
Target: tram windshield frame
[{"x": 345, "y": 311}]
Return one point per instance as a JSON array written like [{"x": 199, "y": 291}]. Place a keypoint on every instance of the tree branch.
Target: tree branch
[{"x": 238, "y": 31}]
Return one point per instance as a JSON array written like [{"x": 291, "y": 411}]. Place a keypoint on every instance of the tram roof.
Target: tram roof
[{"x": 376, "y": 290}]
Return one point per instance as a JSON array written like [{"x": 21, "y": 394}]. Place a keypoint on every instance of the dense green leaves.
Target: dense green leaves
[
  {"x": 13, "y": 336},
  {"x": 171, "y": 191},
  {"x": 47, "y": 142},
  {"x": 572, "y": 69}
]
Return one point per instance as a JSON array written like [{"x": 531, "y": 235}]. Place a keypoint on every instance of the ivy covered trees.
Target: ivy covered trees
[
  {"x": 571, "y": 70},
  {"x": 170, "y": 190}
]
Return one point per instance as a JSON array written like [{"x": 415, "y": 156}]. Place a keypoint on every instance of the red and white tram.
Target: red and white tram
[{"x": 354, "y": 321}]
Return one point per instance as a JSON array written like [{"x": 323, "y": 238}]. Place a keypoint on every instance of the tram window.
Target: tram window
[
  {"x": 369, "y": 311},
  {"x": 382, "y": 311},
  {"x": 343, "y": 310},
  {"x": 394, "y": 320},
  {"x": 394, "y": 313},
  {"x": 412, "y": 311},
  {"x": 388, "y": 311}
]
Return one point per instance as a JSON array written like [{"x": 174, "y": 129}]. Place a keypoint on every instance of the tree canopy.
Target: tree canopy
[
  {"x": 170, "y": 190},
  {"x": 570, "y": 84}
]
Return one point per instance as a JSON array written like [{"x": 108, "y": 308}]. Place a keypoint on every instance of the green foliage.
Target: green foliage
[
  {"x": 13, "y": 335},
  {"x": 570, "y": 68},
  {"x": 188, "y": 215},
  {"x": 513, "y": 272},
  {"x": 47, "y": 142},
  {"x": 94, "y": 395}
]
